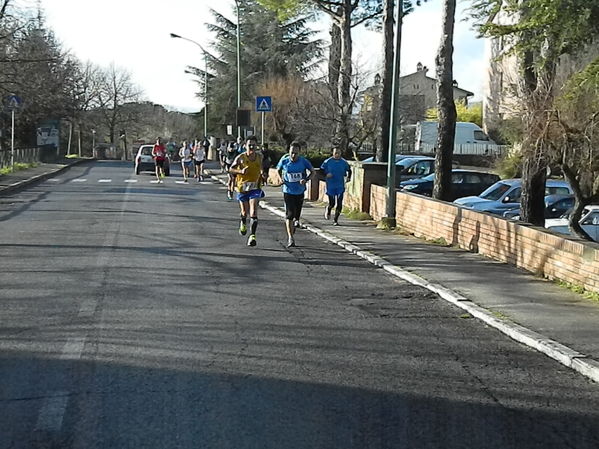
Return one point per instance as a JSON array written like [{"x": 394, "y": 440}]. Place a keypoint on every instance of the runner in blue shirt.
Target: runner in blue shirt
[
  {"x": 335, "y": 170},
  {"x": 295, "y": 171}
]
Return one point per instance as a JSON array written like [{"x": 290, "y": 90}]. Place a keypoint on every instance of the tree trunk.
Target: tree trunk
[
  {"x": 334, "y": 58},
  {"x": 579, "y": 203},
  {"x": 344, "y": 84},
  {"x": 445, "y": 105},
  {"x": 532, "y": 202},
  {"x": 382, "y": 151}
]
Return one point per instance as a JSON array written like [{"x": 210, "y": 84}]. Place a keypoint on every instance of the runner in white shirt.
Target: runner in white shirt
[
  {"x": 185, "y": 154},
  {"x": 199, "y": 158}
]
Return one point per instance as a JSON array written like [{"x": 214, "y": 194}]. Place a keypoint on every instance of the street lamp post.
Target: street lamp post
[
  {"x": 238, "y": 66},
  {"x": 176, "y": 36}
]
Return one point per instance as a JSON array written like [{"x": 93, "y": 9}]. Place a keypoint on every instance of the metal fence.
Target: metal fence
[
  {"x": 21, "y": 155},
  {"x": 477, "y": 149}
]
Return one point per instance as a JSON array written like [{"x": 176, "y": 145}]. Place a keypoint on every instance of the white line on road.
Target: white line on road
[
  {"x": 52, "y": 412},
  {"x": 130, "y": 180},
  {"x": 104, "y": 180},
  {"x": 54, "y": 180},
  {"x": 79, "y": 180},
  {"x": 73, "y": 348}
]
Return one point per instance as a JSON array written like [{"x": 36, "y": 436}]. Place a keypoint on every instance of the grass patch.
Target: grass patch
[
  {"x": 500, "y": 315},
  {"x": 576, "y": 288},
  {"x": 355, "y": 214},
  {"x": 17, "y": 167},
  {"x": 439, "y": 241}
]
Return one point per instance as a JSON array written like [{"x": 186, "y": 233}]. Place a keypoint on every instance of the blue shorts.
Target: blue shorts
[
  {"x": 251, "y": 195},
  {"x": 335, "y": 190}
]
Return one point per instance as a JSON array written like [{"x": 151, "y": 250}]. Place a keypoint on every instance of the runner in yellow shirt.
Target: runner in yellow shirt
[{"x": 247, "y": 169}]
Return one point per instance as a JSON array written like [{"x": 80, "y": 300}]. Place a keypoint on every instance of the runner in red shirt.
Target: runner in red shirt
[{"x": 159, "y": 153}]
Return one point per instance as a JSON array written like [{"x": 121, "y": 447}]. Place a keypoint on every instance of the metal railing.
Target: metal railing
[{"x": 20, "y": 155}]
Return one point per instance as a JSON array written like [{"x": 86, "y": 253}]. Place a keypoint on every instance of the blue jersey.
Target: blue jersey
[
  {"x": 293, "y": 173},
  {"x": 339, "y": 168}
]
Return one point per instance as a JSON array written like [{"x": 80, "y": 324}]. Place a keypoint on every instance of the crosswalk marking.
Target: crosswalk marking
[
  {"x": 79, "y": 180},
  {"x": 104, "y": 180},
  {"x": 54, "y": 180},
  {"x": 130, "y": 180}
]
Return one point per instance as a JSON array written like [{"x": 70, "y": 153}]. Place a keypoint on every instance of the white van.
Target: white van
[{"x": 469, "y": 139}]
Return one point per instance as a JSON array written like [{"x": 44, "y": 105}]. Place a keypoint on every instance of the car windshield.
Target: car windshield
[
  {"x": 146, "y": 151},
  {"x": 407, "y": 162},
  {"x": 430, "y": 177},
  {"x": 560, "y": 190},
  {"x": 495, "y": 192}
]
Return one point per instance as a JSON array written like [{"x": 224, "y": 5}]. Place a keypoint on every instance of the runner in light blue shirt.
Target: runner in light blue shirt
[
  {"x": 337, "y": 172},
  {"x": 295, "y": 171}
]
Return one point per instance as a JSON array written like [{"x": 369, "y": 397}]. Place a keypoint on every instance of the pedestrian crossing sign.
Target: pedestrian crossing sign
[{"x": 263, "y": 104}]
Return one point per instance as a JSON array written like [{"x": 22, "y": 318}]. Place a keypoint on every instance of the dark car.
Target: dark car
[
  {"x": 463, "y": 183},
  {"x": 145, "y": 162},
  {"x": 555, "y": 207}
]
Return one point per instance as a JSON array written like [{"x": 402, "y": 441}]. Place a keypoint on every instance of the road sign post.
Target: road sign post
[
  {"x": 263, "y": 104},
  {"x": 12, "y": 103}
]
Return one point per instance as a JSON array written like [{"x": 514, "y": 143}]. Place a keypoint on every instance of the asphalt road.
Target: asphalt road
[{"x": 132, "y": 315}]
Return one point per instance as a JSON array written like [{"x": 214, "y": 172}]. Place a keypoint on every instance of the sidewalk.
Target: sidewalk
[
  {"x": 535, "y": 312},
  {"x": 538, "y": 313}
]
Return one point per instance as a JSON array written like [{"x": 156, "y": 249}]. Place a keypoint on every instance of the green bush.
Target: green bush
[{"x": 509, "y": 166}]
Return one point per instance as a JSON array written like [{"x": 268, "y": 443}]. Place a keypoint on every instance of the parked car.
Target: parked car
[
  {"x": 145, "y": 162},
  {"x": 398, "y": 157},
  {"x": 555, "y": 207},
  {"x": 589, "y": 223},
  {"x": 463, "y": 182},
  {"x": 505, "y": 195}
]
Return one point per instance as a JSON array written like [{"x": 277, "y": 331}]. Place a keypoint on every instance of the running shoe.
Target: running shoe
[
  {"x": 243, "y": 229},
  {"x": 290, "y": 242},
  {"x": 296, "y": 224},
  {"x": 335, "y": 223},
  {"x": 252, "y": 240},
  {"x": 327, "y": 214},
  {"x": 162, "y": 175},
  {"x": 230, "y": 196}
]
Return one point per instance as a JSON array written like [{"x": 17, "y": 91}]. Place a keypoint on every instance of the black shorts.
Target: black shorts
[
  {"x": 199, "y": 162},
  {"x": 293, "y": 206},
  {"x": 159, "y": 163}
]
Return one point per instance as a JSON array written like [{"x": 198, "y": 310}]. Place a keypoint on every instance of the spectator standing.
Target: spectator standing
[
  {"x": 295, "y": 171},
  {"x": 230, "y": 156}
]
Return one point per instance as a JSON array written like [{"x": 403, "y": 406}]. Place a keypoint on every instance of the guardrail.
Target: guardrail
[{"x": 21, "y": 155}]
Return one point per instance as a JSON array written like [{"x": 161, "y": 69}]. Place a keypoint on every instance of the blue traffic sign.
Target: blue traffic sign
[
  {"x": 263, "y": 104},
  {"x": 13, "y": 102}
]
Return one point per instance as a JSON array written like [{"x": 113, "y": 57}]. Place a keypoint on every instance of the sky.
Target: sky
[{"x": 134, "y": 35}]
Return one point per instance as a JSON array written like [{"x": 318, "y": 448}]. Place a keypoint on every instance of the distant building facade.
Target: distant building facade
[{"x": 417, "y": 93}]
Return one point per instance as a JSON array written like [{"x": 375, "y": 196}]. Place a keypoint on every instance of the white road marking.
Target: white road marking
[
  {"x": 79, "y": 180},
  {"x": 181, "y": 182},
  {"x": 73, "y": 348},
  {"x": 54, "y": 180},
  {"x": 205, "y": 182},
  {"x": 155, "y": 182},
  {"x": 130, "y": 180},
  {"x": 87, "y": 308},
  {"x": 52, "y": 412},
  {"x": 104, "y": 180}
]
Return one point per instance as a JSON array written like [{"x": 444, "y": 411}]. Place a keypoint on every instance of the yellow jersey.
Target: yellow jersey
[{"x": 252, "y": 178}]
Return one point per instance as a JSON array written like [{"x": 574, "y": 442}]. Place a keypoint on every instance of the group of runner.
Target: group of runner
[
  {"x": 247, "y": 169},
  {"x": 191, "y": 155},
  {"x": 248, "y": 172},
  {"x": 194, "y": 155}
]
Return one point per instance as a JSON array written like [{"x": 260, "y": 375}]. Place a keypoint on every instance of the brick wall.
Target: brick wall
[{"x": 528, "y": 247}]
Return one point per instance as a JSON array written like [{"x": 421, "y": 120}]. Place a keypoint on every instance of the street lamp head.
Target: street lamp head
[{"x": 175, "y": 35}]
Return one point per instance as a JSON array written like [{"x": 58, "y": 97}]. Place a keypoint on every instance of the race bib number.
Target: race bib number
[
  {"x": 293, "y": 177},
  {"x": 247, "y": 186}
]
